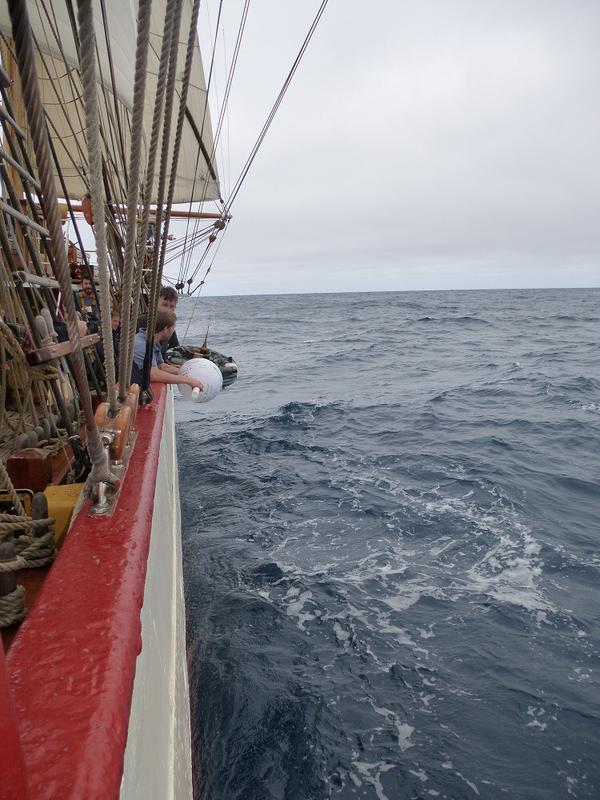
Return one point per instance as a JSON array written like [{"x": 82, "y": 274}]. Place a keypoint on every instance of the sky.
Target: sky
[{"x": 439, "y": 144}]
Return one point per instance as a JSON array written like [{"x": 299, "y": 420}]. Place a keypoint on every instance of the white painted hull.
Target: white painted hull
[{"x": 158, "y": 752}]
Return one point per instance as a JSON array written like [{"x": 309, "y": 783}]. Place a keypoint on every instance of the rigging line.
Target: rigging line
[
  {"x": 76, "y": 90},
  {"x": 200, "y": 262},
  {"x": 227, "y": 91},
  {"x": 270, "y": 118},
  {"x": 76, "y": 167},
  {"x": 70, "y": 209},
  {"x": 135, "y": 159},
  {"x": 208, "y": 85},
  {"x": 88, "y": 79},
  {"x": 76, "y": 102},
  {"x": 162, "y": 178},
  {"x": 114, "y": 137},
  {"x": 30, "y": 243},
  {"x": 39, "y": 137},
  {"x": 276, "y": 105},
  {"x": 157, "y": 115},
  {"x": 208, "y": 269},
  {"x": 114, "y": 86},
  {"x": 27, "y": 161},
  {"x": 175, "y": 251},
  {"x": 228, "y": 127},
  {"x": 185, "y": 82},
  {"x": 51, "y": 123},
  {"x": 221, "y": 117},
  {"x": 55, "y": 82},
  {"x": 192, "y": 315},
  {"x": 229, "y": 82},
  {"x": 110, "y": 143}
]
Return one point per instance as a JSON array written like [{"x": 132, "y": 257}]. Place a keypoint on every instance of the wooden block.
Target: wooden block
[{"x": 30, "y": 468}]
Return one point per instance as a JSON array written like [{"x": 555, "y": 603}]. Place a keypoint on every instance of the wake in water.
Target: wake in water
[{"x": 391, "y": 596}]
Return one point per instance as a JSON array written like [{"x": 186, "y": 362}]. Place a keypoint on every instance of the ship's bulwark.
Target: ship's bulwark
[{"x": 73, "y": 663}]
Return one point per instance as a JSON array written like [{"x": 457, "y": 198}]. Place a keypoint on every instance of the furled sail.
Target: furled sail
[{"x": 57, "y": 64}]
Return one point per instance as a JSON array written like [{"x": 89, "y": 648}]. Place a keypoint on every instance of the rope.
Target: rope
[
  {"x": 13, "y": 523},
  {"x": 87, "y": 61},
  {"x": 12, "y": 341},
  {"x": 135, "y": 157},
  {"x": 275, "y": 107},
  {"x": 12, "y": 607},
  {"x": 149, "y": 184},
  {"x": 183, "y": 267},
  {"x": 25, "y": 57},
  {"x": 185, "y": 82},
  {"x": 39, "y": 552},
  {"x": 10, "y": 487},
  {"x": 164, "y": 159}
]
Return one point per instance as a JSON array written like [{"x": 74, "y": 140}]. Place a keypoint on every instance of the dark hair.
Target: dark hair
[
  {"x": 168, "y": 293},
  {"x": 164, "y": 319}
]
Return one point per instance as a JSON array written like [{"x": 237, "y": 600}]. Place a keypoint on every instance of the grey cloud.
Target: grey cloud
[{"x": 431, "y": 144}]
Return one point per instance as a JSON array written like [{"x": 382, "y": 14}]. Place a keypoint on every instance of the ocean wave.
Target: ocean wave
[{"x": 390, "y": 570}]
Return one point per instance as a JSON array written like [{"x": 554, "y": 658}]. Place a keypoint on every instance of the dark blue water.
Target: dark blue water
[{"x": 391, "y": 542}]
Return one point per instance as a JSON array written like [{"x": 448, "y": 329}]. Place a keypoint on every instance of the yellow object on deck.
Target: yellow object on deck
[
  {"x": 25, "y": 496},
  {"x": 61, "y": 502}
]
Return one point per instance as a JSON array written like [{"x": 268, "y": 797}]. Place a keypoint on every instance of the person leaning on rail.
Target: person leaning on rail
[
  {"x": 159, "y": 371},
  {"x": 167, "y": 301}
]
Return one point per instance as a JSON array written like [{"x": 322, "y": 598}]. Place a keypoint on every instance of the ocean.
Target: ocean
[{"x": 391, "y": 530}]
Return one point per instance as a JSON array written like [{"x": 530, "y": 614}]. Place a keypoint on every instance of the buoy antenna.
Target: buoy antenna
[{"x": 204, "y": 348}]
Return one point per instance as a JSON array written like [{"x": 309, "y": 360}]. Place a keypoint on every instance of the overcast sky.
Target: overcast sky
[{"x": 436, "y": 144}]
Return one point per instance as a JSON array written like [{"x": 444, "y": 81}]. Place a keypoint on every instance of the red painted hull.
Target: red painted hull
[{"x": 71, "y": 668}]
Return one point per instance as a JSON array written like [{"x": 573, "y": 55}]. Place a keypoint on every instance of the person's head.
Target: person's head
[
  {"x": 86, "y": 285},
  {"x": 115, "y": 321},
  {"x": 167, "y": 299},
  {"x": 165, "y": 325}
]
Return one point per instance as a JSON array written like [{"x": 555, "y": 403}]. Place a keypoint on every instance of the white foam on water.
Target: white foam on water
[
  {"x": 537, "y": 713},
  {"x": 509, "y": 570},
  {"x": 404, "y": 730},
  {"x": 340, "y": 634},
  {"x": 469, "y": 783},
  {"x": 365, "y": 769},
  {"x": 295, "y": 609}
]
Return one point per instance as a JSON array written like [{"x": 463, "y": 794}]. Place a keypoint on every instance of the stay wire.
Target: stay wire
[
  {"x": 263, "y": 132},
  {"x": 208, "y": 85},
  {"x": 225, "y": 101},
  {"x": 275, "y": 107}
]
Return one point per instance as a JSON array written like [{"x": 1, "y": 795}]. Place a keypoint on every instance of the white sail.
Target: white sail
[{"x": 57, "y": 64}]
